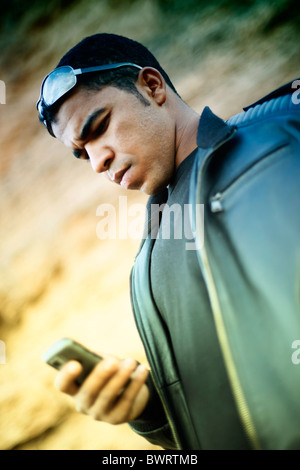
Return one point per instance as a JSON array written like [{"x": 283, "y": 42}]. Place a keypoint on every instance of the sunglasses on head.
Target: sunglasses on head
[{"x": 62, "y": 79}]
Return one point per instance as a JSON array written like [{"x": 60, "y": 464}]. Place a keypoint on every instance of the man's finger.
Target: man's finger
[
  {"x": 94, "y": 383},
  {"x": 117, "y": 397},
  {"x": 128, "y": 405},
  {"x": 65, "y": 379}
]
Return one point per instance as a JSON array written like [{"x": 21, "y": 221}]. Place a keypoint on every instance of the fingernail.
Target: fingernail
[
  {"x": 109, "y": 363},
  {"x": 72, "y": 367},
  {"x": 128, "y": 363},
  {"x": 141, "y": 370}
]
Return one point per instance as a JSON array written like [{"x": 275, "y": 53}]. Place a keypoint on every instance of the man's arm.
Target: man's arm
[
  {"x": 119, "y": 391},
  {"x": 114, "y": 392}
]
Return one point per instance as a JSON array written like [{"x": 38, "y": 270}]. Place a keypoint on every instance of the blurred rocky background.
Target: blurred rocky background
[{"x": 57, "y": 278}]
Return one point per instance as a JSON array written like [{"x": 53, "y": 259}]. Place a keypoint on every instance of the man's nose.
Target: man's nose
[{"x": 100, "y": 158}]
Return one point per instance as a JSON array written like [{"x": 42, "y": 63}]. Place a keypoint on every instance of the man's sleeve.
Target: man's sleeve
[{"x": 153, "y": 423}]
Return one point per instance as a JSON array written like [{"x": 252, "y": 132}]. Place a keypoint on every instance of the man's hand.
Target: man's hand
[{"x": 115, "y": 391}]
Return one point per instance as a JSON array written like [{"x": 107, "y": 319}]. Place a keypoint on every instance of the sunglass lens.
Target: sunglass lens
[{"x": 57, "y": 84}]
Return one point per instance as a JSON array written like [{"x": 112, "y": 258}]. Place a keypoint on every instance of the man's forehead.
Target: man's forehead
[
  {"x": 74, "y": 112},
  {"x": 81, "y": 105}
]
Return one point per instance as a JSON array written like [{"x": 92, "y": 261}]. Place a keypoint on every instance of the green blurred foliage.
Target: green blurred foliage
[
  {"x": 284, "y": 11},
  {"x": 236, "y": 5},
  {"x": 42, "y": 12}
]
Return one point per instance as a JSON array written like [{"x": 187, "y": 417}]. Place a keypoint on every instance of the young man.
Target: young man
[{"x": 217, "y": 322}]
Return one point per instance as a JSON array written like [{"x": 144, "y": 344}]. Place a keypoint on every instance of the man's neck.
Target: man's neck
[{"x": 186, "y": 131}]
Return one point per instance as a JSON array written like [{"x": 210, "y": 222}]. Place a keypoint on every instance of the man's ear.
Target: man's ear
[{"x": 153, "y": 83}]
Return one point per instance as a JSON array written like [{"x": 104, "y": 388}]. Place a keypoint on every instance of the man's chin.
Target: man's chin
[{"x": 152, "y": 190}]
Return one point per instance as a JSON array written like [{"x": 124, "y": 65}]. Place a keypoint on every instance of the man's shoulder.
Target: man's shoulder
[
  {"x": 283, "y": 99},
  {"x": 287, "y": 89}
]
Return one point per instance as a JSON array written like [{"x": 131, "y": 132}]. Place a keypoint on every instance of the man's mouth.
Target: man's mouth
[{"x": 118, "y": 177}]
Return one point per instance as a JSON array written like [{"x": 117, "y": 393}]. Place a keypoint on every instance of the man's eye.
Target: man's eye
[
  {"x": 80, "y": 154},
  {"x": 102, "y": 127}
]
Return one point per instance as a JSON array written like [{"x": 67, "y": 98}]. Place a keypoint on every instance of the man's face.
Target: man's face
[{"x": 132, "y": 142}]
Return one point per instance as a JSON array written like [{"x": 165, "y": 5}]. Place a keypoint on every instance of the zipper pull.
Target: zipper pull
[{"x": 215, "y": 203}]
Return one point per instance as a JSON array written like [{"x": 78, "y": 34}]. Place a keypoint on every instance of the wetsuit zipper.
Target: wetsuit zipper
[
  {"x": 238, "y": 393},
  {"x": 216, "y": 201}
]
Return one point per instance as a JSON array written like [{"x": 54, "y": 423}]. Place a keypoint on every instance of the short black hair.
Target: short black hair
[{"x": 105, "y": 48}]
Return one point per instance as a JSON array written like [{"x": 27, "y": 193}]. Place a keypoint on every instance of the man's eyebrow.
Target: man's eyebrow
[{"x": 89, "y": 123}]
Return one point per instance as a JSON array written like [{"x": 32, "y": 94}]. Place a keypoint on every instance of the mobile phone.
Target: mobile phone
[{"x": 67, "y": 349}]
